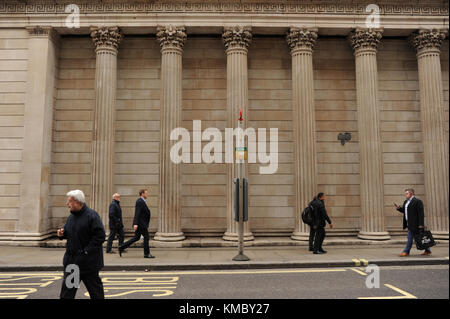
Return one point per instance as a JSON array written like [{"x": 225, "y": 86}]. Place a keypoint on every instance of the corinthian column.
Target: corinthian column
[
  {"x": 435, "y": 144},
  {"x": 364, "y": 43},
  {"x": 236, "y": 41},
  {"x": 106, "y": 41},
  {"x": 301, "y": 43},
  {"x": 172, "y": 40}
]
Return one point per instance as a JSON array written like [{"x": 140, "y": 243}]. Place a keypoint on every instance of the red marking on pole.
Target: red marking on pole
[{"x": 240, "y": 113}]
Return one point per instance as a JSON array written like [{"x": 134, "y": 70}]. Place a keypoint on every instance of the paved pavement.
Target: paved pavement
[
  {"x": 405, "y": 282},
  {"x": 49, "y": 259},
  {"x": 216, "y": 242}
]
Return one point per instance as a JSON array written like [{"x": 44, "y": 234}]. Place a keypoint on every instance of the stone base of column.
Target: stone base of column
[
  {"x": 440, "y": 234},
  {"x": 300, "y": 236},
  {"x": 374, "y": 235},
  {"x": 169, "y": 236},
  {"x": 25, "y": 239},
  {"x": 235, "y": 236}
]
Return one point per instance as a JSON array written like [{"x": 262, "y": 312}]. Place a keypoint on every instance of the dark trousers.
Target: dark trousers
[
  {"x": 113, "y": 231},
  {"x": 137, "y": 235},
  {"x": 312, "y": 232},
  {"x": 92, "y": 282},
  {"x": 319, "y": 236}
]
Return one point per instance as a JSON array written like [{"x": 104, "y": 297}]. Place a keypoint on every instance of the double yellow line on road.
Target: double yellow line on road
[{"x": 360, "y": 262}]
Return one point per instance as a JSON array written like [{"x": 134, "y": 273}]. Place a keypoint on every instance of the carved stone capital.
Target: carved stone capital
[
  {"x": 39, "y": 31},
  {"x": 237, "y": 37},
  {"x": 106, "y": 37},
  {"x": 365, "y": 39},
  {"x": 43, "y": 32},
  {"x": 427, "y": 39},
  {"x": 301, "y": 38},
  {"x": 170, "y": 36}
]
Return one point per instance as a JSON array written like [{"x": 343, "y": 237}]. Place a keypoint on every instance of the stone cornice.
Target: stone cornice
[
  {"x": 365, "y": 39},
  {"x": 237, "y": 37},
  {"x": 106, "y": 37},
  {"x": 427, "y": 39},
  {"x": 301, "y": 37},
  {"x": 428, "y": 8},
  {"x": 170, "y": 36}
]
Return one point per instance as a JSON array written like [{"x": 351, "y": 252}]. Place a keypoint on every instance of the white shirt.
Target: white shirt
[{"x": 406, "y": 207}]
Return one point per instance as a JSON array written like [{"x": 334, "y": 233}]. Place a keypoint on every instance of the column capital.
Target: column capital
[
  {"x": 301, "y": 38},
  {"x": 106, "y": 38},
  {"x": 171, "y": 37},
  {"x": 238, "y": 37},
  {"x": 427, "y": 39},
  {"x": 365, "y": 39},
  {"x": 38, "y": 31}
]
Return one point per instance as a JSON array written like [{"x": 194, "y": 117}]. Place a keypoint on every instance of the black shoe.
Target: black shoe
[
  {"x": 323, "y": 251},
  {"x": 318, "y": 252},
  {"x": 120, "y": 251},
  {"x": 110, "y": 252},
  {"x": 149, "y": 256}
]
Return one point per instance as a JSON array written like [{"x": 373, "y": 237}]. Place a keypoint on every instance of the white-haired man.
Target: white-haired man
[{"x": 85, "y": 235}]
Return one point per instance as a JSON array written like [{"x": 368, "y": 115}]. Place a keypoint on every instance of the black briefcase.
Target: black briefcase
[{"x": 424, "y": 239}]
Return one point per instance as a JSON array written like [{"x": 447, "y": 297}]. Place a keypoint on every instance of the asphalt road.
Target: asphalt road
[{"x": 421, "y": 282}]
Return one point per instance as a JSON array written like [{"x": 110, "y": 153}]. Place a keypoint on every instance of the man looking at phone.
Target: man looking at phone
[{"x": 413, "y": 219}]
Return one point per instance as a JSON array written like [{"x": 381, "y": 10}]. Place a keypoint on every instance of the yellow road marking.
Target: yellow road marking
[
  {"x": 8, "y": 274},
  {"x": 41, "y": 285},
  {"x": 4, "y": 278},
  {"x": 405, "y": 295},
  {"x": 165, "y": 292},
  {"x": 17, "y": 293},
  {"x": 14, "y": 296},
  {"x": 11, "y": 287},
  {"x": 364, "y": 262},
  {"x": 357, "y": 262},
  {"x": 138, "y": 280},
  {"x": 359, "y": 271},
  {"x": 159, "y": 286}
]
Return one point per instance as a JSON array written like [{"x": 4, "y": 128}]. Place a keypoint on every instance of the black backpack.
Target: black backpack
[{"x": 307, "y": 215}]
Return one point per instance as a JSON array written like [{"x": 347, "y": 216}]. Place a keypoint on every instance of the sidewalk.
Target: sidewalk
[
  {"x": 50, "y": 259},
  {"x": 269, "y": 242}
]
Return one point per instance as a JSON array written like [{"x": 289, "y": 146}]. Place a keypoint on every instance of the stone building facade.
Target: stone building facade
[{"x": 91, "y": 107}]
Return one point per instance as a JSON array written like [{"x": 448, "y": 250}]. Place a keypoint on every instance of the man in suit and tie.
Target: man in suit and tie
[
  {"x": 140, "y": 224},
  {"x": 413, "y": 219}
]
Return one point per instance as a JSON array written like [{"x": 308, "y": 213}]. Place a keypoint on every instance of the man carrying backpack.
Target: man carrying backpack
[{"x": 317, "y": 231}]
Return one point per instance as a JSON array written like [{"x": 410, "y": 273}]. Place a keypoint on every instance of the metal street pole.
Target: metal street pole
[{"x": 241, "y": 155}]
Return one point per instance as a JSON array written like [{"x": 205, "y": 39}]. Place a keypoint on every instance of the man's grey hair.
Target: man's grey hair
[
  {"x": 115, "y": 194},
  {"x": 410, "y": 190},
  {"x": 77, "y": 195}
]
